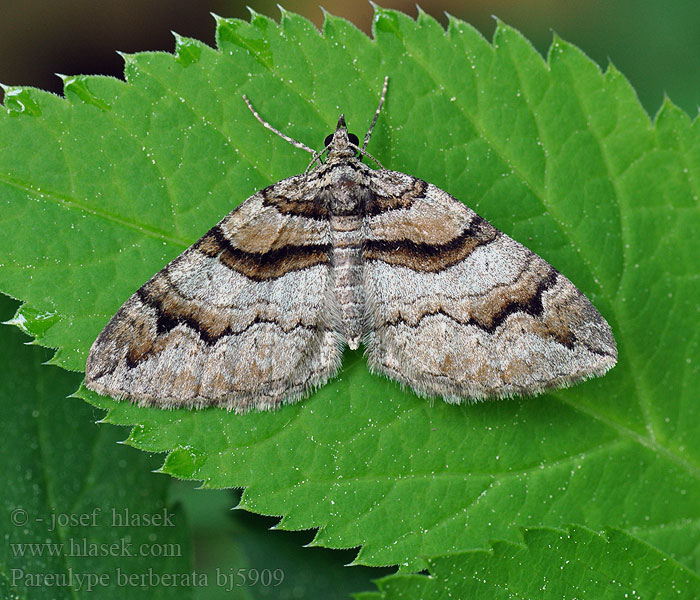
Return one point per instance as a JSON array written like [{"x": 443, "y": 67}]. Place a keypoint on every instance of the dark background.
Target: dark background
[{"x": 655, "y": 44}]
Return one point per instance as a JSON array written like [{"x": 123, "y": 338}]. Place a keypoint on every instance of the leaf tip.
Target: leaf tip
[
  {"x": 500, "y": 32},
  {"x": 668, "y": 111},
  {"x": 19, "y": 100},
  {"x": 385, "y": 20},
  {"x": 328, "y": 20},
  {"x": 187, "y": 50},
  {"x": 53, "y": 361},
  {"x": 13, "y": 321},
  {"x": 284, "y": 13},
  {"x": 378, "y": 10},
  {"x": 128, "y": 58},
  {"x": 452, "y": 21},
  {"x": 425, "y": 19},
  {"x": 612, "y": 70},
  {"x": 557, "y": 47},
  {"x": 257, "y": 18},
  {"x": 668, "y": 106}
]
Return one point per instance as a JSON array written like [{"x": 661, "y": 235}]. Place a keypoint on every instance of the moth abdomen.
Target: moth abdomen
[{"x": 348, "y": 274}]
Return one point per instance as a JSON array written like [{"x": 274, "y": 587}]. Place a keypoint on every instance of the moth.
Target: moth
[{"x": 257, "y": 313}]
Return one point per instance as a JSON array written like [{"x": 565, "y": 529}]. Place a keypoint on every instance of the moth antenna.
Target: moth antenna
[
  {"x": 365, "y": 153},
  {"x": 286, "y": 138},
  {"x": 376, "y": 116},
  {"x": 316, "y": 159}
]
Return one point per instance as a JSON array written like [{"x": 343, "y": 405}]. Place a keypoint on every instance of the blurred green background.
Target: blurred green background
[{"x": 655, "y": 44}]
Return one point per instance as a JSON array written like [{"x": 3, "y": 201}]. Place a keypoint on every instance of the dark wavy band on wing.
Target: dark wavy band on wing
[
  {"x": 432, "y": 258},
  {"x": 529, "y": 304},
  {"x": 379, "y": 204},
  {"x": 309, "y": 209},
  {"x": 169, "y": 314},
  {"x": 263, "y": 266}
]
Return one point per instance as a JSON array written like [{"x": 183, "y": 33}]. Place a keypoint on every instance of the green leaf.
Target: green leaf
[
  {"x": 111, "y": 183},
  {"x": 578, "y": 563},
  {"x": 68, "y": 489}
]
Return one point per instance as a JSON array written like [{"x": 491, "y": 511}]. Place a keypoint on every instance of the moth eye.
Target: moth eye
[{"x": 351, "y": 136}]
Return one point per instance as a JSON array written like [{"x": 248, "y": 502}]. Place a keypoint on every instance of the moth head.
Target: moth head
[{"x": 341, "y": 144}]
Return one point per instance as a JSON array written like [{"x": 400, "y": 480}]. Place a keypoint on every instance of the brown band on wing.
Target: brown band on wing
[
  {"x": 432, "y": 258},
  {"x": 525, "y": 296},
  {"x": 265, "y": 231},
  {"x": 130, "y": 327},
  {"x": 263, "y": 266},
  {"x": 492, "y": 309},
  {"x": 309, "y": 208},
  {"x": 378, "y": 204},
  {"x": 171, "y": 310}
]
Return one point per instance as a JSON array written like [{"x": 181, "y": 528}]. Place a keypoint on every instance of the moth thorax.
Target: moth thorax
[{"x": 345, "y": 199}]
